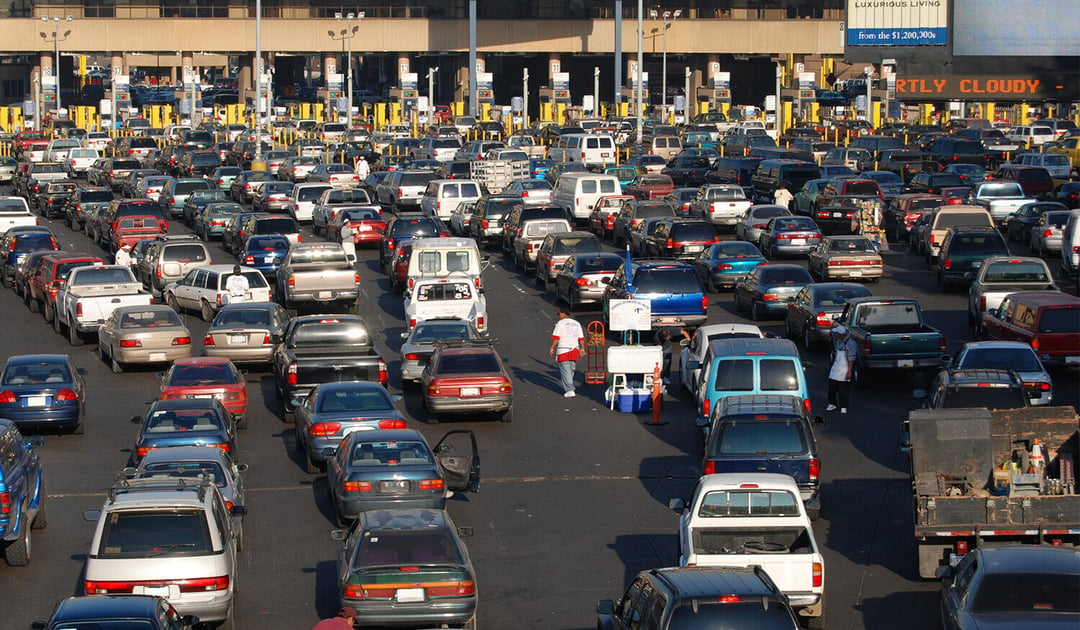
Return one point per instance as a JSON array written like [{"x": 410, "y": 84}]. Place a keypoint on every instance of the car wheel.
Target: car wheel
[
  {"x": 738, "y": 305},
  {"x": 57, "y": 326},
  {"x": 571, "y": 301},
  {"x": 755, "y": 311},
  {"x": 339, "y": 518},
  {"x": 17, "y": 552},
  {"x": 816, "y": 623},
  {"x": 310, "y": 465},
  {"x": 807, "y": 336},
  {"x": 171, "y": 302},
  {"x": 508, "y": 415},
  {"x": 35, "y": 306},
  {"x": 75, "y": 337},
  {"x": 432, "y": 417},
  {"x": 41, "y": 519},
  {"x": 47, "y": 312},
  {"x": 206, "y": 312},
  {"x": 117, "y": 367}
]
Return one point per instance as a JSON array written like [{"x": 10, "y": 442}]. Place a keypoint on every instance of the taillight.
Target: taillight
[
  {"x": 705, "y": 406},
  {"x": 710, "y": 467},
  {"x": 866, "y": 347},
  {"x": 249, "y": 260},
  {"x": 982, "y": 302},
  {"x": 806, "y": 405},
  {"x": 356, "y": 277},
  {"x": 78, "y": 309},
  {"x": 157, "y": 271},
  {"x": 357, "y": 486},
  {"x": 704, "y": 302},
  {"x": 948, "y": 263},
  {"x": 66, "y": 395},
  {"x": 823, "y": 319},
  {"x": 961, "y": 547},
  {"x": 130, "y": 343},
  {"x": 5, "y": 503},
  {"x": 724, "y": 267},
  {"x": 819, "y": 574},
  {"x": 181, "y": 341},
  {"x": 292, "y": 281},
  {"x": 290, "y": 374},
  {"x": 7, "y": 397},
  {"x": 325, "y": 429},
  {"x": 266, "y": 340},
  {"x": 208, "y": 340},
  {"x": 941, "y": 345},
  {"x": 1047, "y": 233},
  {"x": 583, "y": 282},
  {"x": 815, "y": 469},
  {"x": 392, "y": 424},
  {"x": 430, "y": 484}
]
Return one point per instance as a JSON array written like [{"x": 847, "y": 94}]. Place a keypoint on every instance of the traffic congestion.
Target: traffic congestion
[{"x": 479, "y": 377}]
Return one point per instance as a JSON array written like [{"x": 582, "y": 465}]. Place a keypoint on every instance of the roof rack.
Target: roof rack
[{"x": 124, "y": 484}]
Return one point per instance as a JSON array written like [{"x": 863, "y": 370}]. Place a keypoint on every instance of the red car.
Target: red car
[
  {"x": 399, "y": 265},
  {"x": 207, "y": 377},
  {"x": 467, "y": 379},
  {"x": 367, "y": 225},
  {"x": 602, "y": 218},
  {"x": 650, "y": 186}
]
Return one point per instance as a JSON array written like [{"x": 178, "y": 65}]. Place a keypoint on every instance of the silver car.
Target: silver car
[
  {"x": 331, "y": 411},
  {"x": 533, "y": 192},
  {"x": 246, "y": 333},
  {"x": 192, "y": 462},
  {"x": 152, "y": 333},
  {"x": 1009, "y": 355},
  {"x": 419, "y": 344},
  {"x": 755, "y": 219}
]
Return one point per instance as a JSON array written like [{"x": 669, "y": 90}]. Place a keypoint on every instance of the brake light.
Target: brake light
[
  {"x": 157, "y": 271},
  {"x": 78, "y": 309},
  {"x": 430, "y": 484},
  {"x": 392, "y": 424},
  {"x": 819, "y": 574},
  {"x": 357, "y": 486},
  {"x": 705, "y": 406},
  {"x": 292, "y": 281},
  {"x": 583, "y": 282},
  {"x": 249, "y": 260},
  {"x": 815, "y": 469},
  {"x": 948, "y": 263},
  {"x": 5, "y": 503},
  {"x": 941, "y": 345},
  {"x": 325, "y": 429},
  {"x": 710, "y": 467},
  {"x": 290, "y": 374},
  {"x": 356, "y": 277},
  {"x": 866, "y": 347},
  {"x": 768, "y": 297},
  {"x": 130, "y": 343},
  {"x": 7, "y": 397},
  {"x": 181, "y": 341},
  {"x": 66, "y": 395},
  {"x": 208, "y": 340}
]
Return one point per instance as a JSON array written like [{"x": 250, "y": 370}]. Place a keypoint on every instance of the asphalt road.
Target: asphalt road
[{"x": 574, "y": 497}]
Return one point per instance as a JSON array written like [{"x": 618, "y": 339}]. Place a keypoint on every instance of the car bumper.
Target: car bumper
[
  {"x": 726, "y": 280},
  {"x": 803, "y": 600},
  {"x": 214, "y": 609},
  {"x": 62, "y": 417},
  {"x": 476, "y": 404},
  {"x": 588, "y": 294},
  {"x": 692, "y": 321},
  {"x": 352, "y": 509},
  {"x": 262, "y": 354},
  {"x": 411, "y": 370},
  {"x": 794, "y": 250},
  {"x": 903, "y": 364},
  {"x": 143, "y": 355},
  {"x": 323, "y": 296},
  {"x": 856, "y": 273},
  {"x": 424, "y": 614},
  {"x": 722, "y": 219},
  {"x": 1070, "y": 360}
]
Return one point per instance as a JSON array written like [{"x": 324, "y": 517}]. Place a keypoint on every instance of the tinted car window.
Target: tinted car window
[
  {"x": 779, "y": 375},
  {"x": 276, "y": 226},
  {"x": 172, "y": 533},
  {"x": 978, "y": 245},
  {"x": 693, "y": 232},
  {"x": 750, "y": 614},
  {"x": 754, "y": 437},
  {"x": 736, "y": 375},
  {"x": 467, "y": 363},
  {"x": 576, "y": 245},
  {"x": 185, "y": 253},
  {"x": 1060, "y": 320},
  {"x": 1027, "y": 593},
  {"x": 667, "y": 281}
]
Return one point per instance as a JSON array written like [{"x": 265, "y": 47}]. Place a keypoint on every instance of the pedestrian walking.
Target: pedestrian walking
[
  {"x": 345, "y": 620},
  {"x": 363, "y": 169},
  {"x": 840, "y": 371},
  {"x": 783, "y": 197},
  {"x": 567, "y": 344},
  {"x": 237, "y": 286}
]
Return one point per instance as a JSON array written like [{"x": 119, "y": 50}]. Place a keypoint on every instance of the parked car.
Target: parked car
[
  {"x": 143, "y": 334},
  {"x": 850, "y": 257},
  {"x": 43, "y": 391},
  {"x": 789, "y": 236},
  {"x": 724, "y": 264},
  {"x": 581, "y": 278},
  {"x": 766, "y": 288},
  {"x": 467, "y": 378},
  {"x": 207, "y": 377}
]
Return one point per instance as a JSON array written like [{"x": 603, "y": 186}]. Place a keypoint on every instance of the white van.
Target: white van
[
  {"x": 304, "y": 197},
  {"x": 1070, "y": 243},
  {"x": 1033, "y": 135},
  {"x": 442, "y": 196},
  {"x": 592, "y": 150},
  {"x": 1057, "y": 164},
  {"x": 578, "y": 192},
  {"x": 445, "y": 257}
]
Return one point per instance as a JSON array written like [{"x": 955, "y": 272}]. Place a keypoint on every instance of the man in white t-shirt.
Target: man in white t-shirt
[
  {"x": 237, "y": 286},
  {"x": 783, "y": 197},
  {"x": 363, "y": 169},
  {"x": 123, "y": 255},
  {"x": 567, "y": 344}
]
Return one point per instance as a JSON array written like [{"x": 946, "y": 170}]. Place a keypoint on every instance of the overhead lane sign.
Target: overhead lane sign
[{"x": 974, "y": 88}]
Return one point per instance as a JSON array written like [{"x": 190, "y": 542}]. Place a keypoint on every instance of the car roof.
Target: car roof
[
  {"x": 102, "y": 607},
  {"x": 184, "y": 454},
  {"x": 762, "y": 403},
  {"x": 733, "y": 348},
  {"x": 1031, "y": 559},
  {"x": 711, "y": 582},
  {"x": 35, "y": 359},
  {"x": 406, "y": 519},
  {"x": 721, "y": 481},
  {"x": 184, "y": 404}
]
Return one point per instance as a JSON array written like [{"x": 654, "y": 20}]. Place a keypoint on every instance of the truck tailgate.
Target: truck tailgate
[
  {"x": 792, "y": 571},
  {"x": 674, "y": 304},
  {"x": 98, "y": 309},
  {"x": 900, "y": 346},
  {"x": 324, "y": 283},
  {"x": 797, "y": 469}
]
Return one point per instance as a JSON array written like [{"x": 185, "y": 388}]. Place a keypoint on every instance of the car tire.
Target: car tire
[
  {"x": 339, "y": 518},
  {"x": 738, "y": 305},
  {"x": 859, "y": 376},
  {"x": 75, "y": 337},
  {"x": 816, "y": 623},
  {"x": 170, "y": 301},
  {"x": 17, "y": 552},
  {"x": 57, "y": 326},
  {"x": 117, "y": 367},
  {"x": 755, "y": 311},
  {"x": 310, "y": 465},
  {"x": 507, "y": 416},
  {"x": 571, "y": 302},
  {"x": 807, "y": 336},
  {"x": 432, "y": 417},
  {"x": 34, "y": 305},
  {"x": 80, "y": 426},
  {"x": 47, "y": 312},
  {"x": 205, "y": 312},
  {"x": 41, "y": 519}
]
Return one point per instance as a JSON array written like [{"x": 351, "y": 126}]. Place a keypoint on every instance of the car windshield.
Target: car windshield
[
  {"x": 655, "y": 210},
  {"x": 244, "y": 317},
  {"x": 209, "y": 374},
  {"x": 755, "y": 437},
  {"x": 348, "y": 400},
  {"x": 1019, "y": 359},
  {"x": 174, "y": 532},
  {"x": 575, "y": 245},
  {"x": 191, "y": 470},
  {"x": 398, "y": 453},
  {"x": 428, "y": 333},
  {"x": 468, "y": 363},
  {"x": 851, "y": 246},
  {"x": 725, "y": 503},
  {"x": 1048, "y": 593},
  {"x": 667, "y": 281},
  {"x": 31, "y": 242}
]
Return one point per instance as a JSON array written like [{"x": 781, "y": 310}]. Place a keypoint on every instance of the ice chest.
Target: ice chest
[{"x": 633, "y": 400}]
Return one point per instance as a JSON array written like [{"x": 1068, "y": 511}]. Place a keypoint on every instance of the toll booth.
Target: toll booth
[
  {"x": 629, "y": 96},
  {"x": 406, "y": 98},
  {"x": 713, "y": 99},
  {"x": 555, "y": 95},
  {"x": 330, "y": 97}
]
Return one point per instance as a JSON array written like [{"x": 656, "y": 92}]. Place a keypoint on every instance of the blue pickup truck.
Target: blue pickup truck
[
  {"x": 675, "y": 294},
  {"x": 22, "y": 494},
  {"x": 890, "y": 334}
]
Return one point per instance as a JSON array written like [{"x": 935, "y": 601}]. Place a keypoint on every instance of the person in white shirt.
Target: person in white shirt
[
  {"x": 123, "y": 255},
  {"x": 783, "y": 197},
  {"x": 347, "y": 242},
  {"x": 567, "y": 344},
  {"x": 237, "y": 286},
  {"x": 363, "y": 169}
]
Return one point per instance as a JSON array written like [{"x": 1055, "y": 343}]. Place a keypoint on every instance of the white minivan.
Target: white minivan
[
  {"x": 590, "y": 149},
  {"x": 445, "y": 257},
  {"x": 304, "y": 197},
  {"x": 578, "y": 192},
  {"x": 442, "y": 196},
  {"x": 1070, "y": 243},
  {"x": 1057, "y": 164}
]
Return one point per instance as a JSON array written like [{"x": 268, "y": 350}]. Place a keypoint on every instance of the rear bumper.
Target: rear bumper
[
  {"x": 352, "y": 509},
  {"x": 315, "y": 297},
  {"x": 425, "y": 614},
  {"x": 241, "y": 355},
  {"x": 692, "y": 321},
  {"x": 472, "y": 404},
  {"x": 900, "y": 363},
  {"x": 62, "y": 417}
]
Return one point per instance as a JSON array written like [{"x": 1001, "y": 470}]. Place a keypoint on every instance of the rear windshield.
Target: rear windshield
[
  {"x": 432, "y": 546},
  {"x": 1060, "y": 320},
  {"x": 749, "y": 614},
  {"x": 427, "y": 333},
  {"x": 1033, "y": 593},
  {"x": 255, "y": 279},
  {"x": 34, "y": 241},
  {"x": 207, "y": 374},
  {"x": 63, "y": 270},
  {"x": 1001, "y": 190},
  {"x": 956, "y": 219},
  {"x": 416, "y": 179},
  {"x": 1019, "y": 359},
  {"x": 444, "y": 291},
  {"x": 183, "y": 188},
  {"x": 598, "y": 264},
  {"x": 1057, "y": 219},
  {"x": 468, "y": 363},
  {"x": 496, "y": 209},
  {"x": 184, "y": 253},
  {"x": 174, "y": 532},
  {"x": 126, "y": 164},
  {"x": 543, "y": 228},
  {"x": 676, "y": 281},
  {"x": 310, "y": 193},
  {"x": 445, "y": 143},
  {"x": 575, "y": 245},
  {"x": 350, "y": 400},
  {"x": 415, "y": 227},
  {"x": 319, "y": 255},
  {"x": 204, "y": 159},
  {"x": 978, "y": 245},
  {"x": 799, "y": 173},
  {"x": 785, "y": 276},
  {"x": 861, "y": 188},
  {"x": 138, "y": 223},
  {"x": 37, "y": 374},
  {"x": 103, "y": 275},
  {"x": 1010, "y": 272},
  {"x": 330, "y": 333},
  {"x": 757, "y": 437},
  {"x": 749, "y": 503},
  {"x": 267, "y": 244},
  {"x": 894, "y": 314},
  {"x": 693, "y": 232},
  {"x": 735, "y": 249},
  {"x": 244, "y": 317},
  {"x": 724, "y": 194},
  {"x": 276, "y": 226},
  {"x": 658, "y": 210}
]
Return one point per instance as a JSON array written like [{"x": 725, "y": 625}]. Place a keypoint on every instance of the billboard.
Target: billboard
[
  {"x": 897, "y": 22},
  {"x": 1025, "y": 28},
  {"x": 983, "y": 88}
]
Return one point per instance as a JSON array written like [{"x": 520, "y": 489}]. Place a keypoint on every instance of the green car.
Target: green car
[
  {"x": 626, "y": 174},
  {"x": 223, "y": 176},
  {"x": 805, "y": 197}
]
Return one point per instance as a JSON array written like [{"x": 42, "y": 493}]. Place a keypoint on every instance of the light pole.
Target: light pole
[
  {"x": 431, "y": 95},
  {"x": 667, "y": 17},
  {"x": 347, "y": 34},
  {"x": 258, "y": 85},
  {"x": 56, "y": 39},
  {"x": 640, "y": 69}
]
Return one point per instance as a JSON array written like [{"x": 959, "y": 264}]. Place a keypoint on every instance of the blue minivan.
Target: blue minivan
[{"x": 739, "y": 367}]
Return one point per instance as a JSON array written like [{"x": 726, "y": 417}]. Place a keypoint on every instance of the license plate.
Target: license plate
[
  {"x": 798, "y": 241},
  {"x": 838, "y": 215},
  {"x": 605, "y": 155},
  {"x": 325, "y": 294},
  {"x": 856, "y": 274},
  {"x": 410, "y": 595},
  {"x": 160, "y": 591},
  {"x": 693, "y": 248},
  {"x": 470, "y": 391},
  {"x": 905, "y": 363},
  {"x": 201, "y": 396},
  {"x": 393, "y": 486},
  {"x": 35, "y": 401},
  {"x": 365, "y": 228},
  {"x": 668, "y": 320},
  {"x": 269, "y": 260},
  {"x": 157, "y": 356},
  {"x": 237, "y": 339}
]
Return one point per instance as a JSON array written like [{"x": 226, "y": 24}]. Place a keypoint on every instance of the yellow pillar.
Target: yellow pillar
[
  {"x": 927, "y": 113},
  {"x": 485, "y": 111},
  {"x": 545, "y": 111},
  {"x": 726, "y": 108},
  {"x": 814, "y": 110},
  {"x": 5, "y": 119},
  {"x": 1024, "y": 117},
  {"x": 459, "y": 108},
  {"x": 380, "y": 115},
  {"x": 317, "y": 110},
  {"x": 395, "y": 113},
  {"x": 787, "y": 107},
  {"x": 875, "y": 112},
  {"x": 989, "y": 107}
]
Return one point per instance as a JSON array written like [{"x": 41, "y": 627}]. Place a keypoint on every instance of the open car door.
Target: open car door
[{"x": 459, "y": 460}]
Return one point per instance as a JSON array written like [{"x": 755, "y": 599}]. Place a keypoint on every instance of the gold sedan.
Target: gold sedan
[
  {"x": 849, "y": 257},
  {"x": 143, "y": 334}
]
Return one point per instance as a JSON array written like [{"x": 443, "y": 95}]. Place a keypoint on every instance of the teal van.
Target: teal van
[{"x": 740, "y": 367}]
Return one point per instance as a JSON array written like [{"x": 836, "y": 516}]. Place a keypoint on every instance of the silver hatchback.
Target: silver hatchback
[
  {"x": 1010, "y": 355},
  {"x": 246, "y": 333}
]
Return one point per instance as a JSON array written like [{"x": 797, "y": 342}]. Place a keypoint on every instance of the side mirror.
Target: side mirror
[
  {"x": 677, "y": 505},
  {"x": 241, "y": 467},
  {"x": 136, "y": 419},
  {"x": 603, "y": 607},
  {"x": 405, "y": 335},
  {"x": 82, "y": 371},
  {"x": 129, "y": 471},
  {"x": 946, "y": 361},
  {"x": 91, "y": 515},
  {"x": 339, "y": 534},
  {"x": 465, "y": 532}
]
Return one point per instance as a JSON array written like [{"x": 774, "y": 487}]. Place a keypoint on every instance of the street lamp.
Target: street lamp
[
  {"x": 431, "y": 94},
  {"x": 347, "y": 34},
  {"x": 56, "y": 39},
  {"x": 667, "y": 18}
]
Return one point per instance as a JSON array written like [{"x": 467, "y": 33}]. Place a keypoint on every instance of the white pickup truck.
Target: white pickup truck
[
  {"x": 720, "y": 204},
  {"x": 444, "y": 298},
  {"x": 90, "y": 294},
  {"x": 745, "y": 519},
  {"x": 1000, "y": 198},
  {"x": 14, "y": 212}
]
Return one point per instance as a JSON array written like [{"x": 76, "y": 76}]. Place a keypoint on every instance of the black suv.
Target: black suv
[
  {"x": 407, "y": 225},
  {"x": 484, "y": 222},
  {"x": 931, "y": 183},
  {"x": 775, "y": 434},
  {"x": 962, "y": 252},
  {"x": 698, "y": 597},
  {"x": 945, "y": 150},
  {"x": 992, "y": 389},
  {"x": 680, "y": 238}
]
